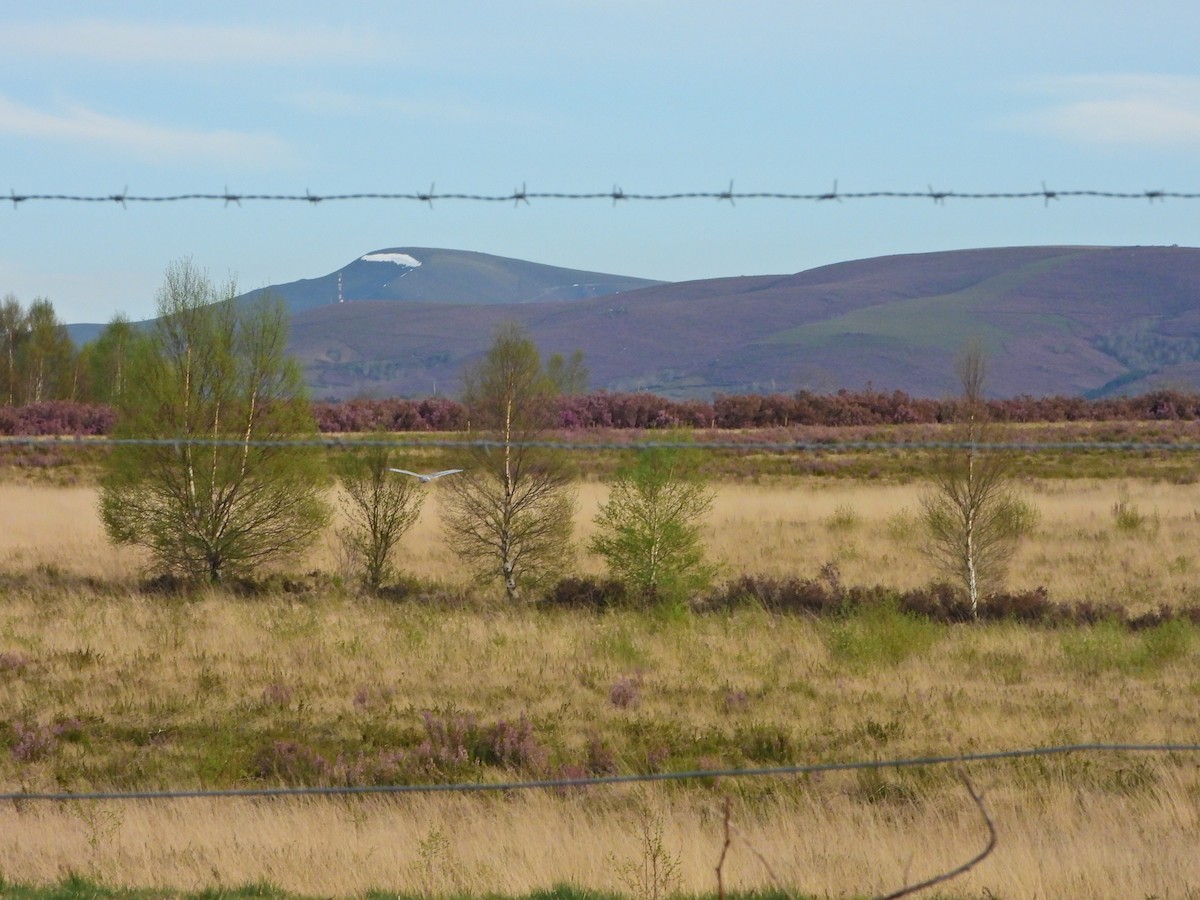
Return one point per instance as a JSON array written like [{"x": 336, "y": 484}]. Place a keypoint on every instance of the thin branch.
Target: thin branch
[
  {"x": 766, "y": 865},
  {"x": 724, "y": 850},
  {"x": 977, "y": 798}
]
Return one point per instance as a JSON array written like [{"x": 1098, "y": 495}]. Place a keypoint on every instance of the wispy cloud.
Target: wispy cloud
[
  {"x": 345, "y": 103},
  {"x": 145, "y": 141},
  {"x": 139, "y": 42},
  {"x": 1130, "y": 110}
]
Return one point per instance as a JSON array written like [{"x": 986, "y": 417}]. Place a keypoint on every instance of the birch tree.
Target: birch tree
[
  {"x": 205, "y": 495},
  {"x": 649, "y": 528},
  {"x": 379, "y": 508},
  {"x": 973, "y": 518},
  {"x": 508, "y": 517}
]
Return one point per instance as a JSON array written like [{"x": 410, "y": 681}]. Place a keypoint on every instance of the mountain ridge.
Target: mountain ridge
[{"x": 1074, "y": 320}]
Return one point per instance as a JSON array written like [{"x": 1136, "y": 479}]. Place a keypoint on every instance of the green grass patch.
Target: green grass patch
[
  {"x": 1109, "y": 647},
  {"x": 880, "y": 635}
]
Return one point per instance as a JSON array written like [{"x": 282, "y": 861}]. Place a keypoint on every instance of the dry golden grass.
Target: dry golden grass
[
  {"x": 182, "y": 693},
  {"x": 1057, "y": 843},
  {"x": 871, "y": 532}
]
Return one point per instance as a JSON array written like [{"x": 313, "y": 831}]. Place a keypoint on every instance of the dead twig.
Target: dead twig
[
  {"x": 977, "y": 798},
  {"x": 724, "y": 850},
  {"x": 762, "y": 859}
]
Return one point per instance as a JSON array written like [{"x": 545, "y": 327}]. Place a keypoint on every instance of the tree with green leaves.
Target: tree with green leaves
[
  {"x": 973, "y": 517},
  {"x": 109, "y": 358},
  {"x": 649, "y": 531},
  {"x": 568, "y": 374},
  {"x": 378, "y": 507},
  {"x": 37, "y": 357},
  {"x": 215, "y": 490},
  {"x": 509, "y": 515},
  {"x": 14, "y": 328},
  {"x": 48, "y": 355}
]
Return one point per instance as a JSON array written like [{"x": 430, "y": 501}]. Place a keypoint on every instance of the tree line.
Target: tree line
[{"x": 40, "y": 364}]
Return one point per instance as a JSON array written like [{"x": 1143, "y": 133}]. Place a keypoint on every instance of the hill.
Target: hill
[
  {"x": 411, "y": 274},
  {"x": 1090, "y": 321},
  {"x": 421, "y": 274},
  {"x": 1056, "y": 320}
]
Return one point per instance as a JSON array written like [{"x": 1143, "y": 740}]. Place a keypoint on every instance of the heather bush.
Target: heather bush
[
  {"x": 623, "y": 410},
  {"x": 600, "y": 759},
  {"x": 513, "y": 745},
  {"x": 16, "y": 663},
  {"x": 587, "y": 592},
  {"x": 33, "y": 741},
  {"x": 765, "y": 744},
  {"x": 625, "y": 692},
  {"x": 784, "y": 595},
  {"x": 276, "y": 694},
  {"x": 57, "y": 418}
]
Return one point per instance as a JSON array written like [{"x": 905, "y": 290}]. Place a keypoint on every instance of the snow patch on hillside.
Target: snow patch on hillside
[{"x": 400, "y": 259}]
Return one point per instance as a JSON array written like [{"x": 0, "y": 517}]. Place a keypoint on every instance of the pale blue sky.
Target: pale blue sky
[{"x": 655, "y": 96}]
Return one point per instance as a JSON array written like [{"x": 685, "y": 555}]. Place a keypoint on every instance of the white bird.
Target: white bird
[{"x": 425, "y": 478}]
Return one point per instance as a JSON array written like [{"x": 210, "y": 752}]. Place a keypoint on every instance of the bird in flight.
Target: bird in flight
[{"x": 425, "y": 478}]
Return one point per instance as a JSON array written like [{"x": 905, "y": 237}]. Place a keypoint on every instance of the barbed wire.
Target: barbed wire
[
  {"x": 615, "y": 194},
  {"x": 599, "y": 780},
  {"x": 805, "y": 446}
]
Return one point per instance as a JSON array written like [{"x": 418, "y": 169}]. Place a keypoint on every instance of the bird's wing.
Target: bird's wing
[
  {"x": 405, "y": 472},
  {"x": 445, "y": 472}
]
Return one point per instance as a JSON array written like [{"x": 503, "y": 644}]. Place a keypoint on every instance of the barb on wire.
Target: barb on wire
[
  {"x": 832, "y": 195},
  {"x": 517, "y": 196}
]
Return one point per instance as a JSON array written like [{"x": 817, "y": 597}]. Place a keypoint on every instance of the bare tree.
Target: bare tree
[
  {"x": 973, "y": 518},
  {"x": 379, "y": 508},
  {"x": 509, "y": 515}
]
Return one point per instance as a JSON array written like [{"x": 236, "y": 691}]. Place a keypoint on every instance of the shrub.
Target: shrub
[
  {"x": 587, "y": 592},
  {"x": 626, "y": 692}
]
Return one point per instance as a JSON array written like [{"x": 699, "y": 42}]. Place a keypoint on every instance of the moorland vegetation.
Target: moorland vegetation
[{"x": 819, "y": 632}]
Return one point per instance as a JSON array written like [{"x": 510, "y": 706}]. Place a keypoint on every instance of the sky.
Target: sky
[{"x": 579, "y": 96}]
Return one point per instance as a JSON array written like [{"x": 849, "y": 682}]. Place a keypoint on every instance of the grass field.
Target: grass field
[{"x": 104, "y": 686}]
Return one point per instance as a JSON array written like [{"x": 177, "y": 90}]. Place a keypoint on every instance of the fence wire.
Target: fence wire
[
  {"x": 804, "y": 446},
  {"x": 474, "y": 787},
  {"x": 615, "y": 195}
]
